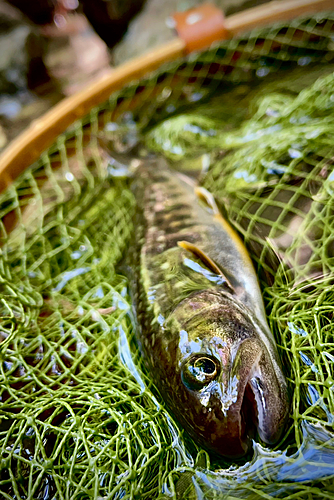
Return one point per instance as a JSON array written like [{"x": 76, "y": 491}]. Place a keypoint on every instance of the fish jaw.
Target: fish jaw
[
  {"x": 227, "y": 406},
  {"x": 241, "y": 392},
  {"x": 271, "y": 398},
  {"x": 250, "y": 402}
]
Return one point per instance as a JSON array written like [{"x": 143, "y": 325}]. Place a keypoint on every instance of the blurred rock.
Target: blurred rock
[
  {"x": 20, "y": 55},
  {"x": 110, "y": 18},
  {"x": 13, "y": 59},
  {"x": 151, "y": 28},
  {"x": 9, "y": 106},
  {"x": 3, "y": 138},
  {"x": 71, "y": 51},
  {"x": 38, "y": 11},
  {"x": 22, "y": 70},
  {"x": 19, "y": 110},
  {"x": 76, "y": 55}
]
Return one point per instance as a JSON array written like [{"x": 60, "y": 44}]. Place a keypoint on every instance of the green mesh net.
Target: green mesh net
[{"x": 79, "y": 418}]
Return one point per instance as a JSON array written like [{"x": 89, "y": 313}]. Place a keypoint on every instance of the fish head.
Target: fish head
[{"x": 232, "y": 387}]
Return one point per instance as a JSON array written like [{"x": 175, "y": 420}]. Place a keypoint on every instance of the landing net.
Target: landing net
[{"x": 79, "y": 418}]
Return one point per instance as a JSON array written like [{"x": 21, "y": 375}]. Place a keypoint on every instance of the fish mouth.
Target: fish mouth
[
  {"x": 246, "y": 398},
  {"x": 248, "y": 416},
  {"x": 262, "y": 407},
  {"x": 242, "y": 420}
]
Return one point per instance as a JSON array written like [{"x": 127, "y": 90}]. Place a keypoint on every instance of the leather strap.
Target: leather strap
[{"x": 201, "y": 26}]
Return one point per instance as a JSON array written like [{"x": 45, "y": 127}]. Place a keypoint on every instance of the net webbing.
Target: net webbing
[{"x": 78, "y": 419}]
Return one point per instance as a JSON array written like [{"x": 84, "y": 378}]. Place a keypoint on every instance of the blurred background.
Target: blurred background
[{"x": 50, "y": 49}]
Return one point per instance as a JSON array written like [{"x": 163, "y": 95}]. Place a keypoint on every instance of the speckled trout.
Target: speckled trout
[{"x": 202, "y": 324}]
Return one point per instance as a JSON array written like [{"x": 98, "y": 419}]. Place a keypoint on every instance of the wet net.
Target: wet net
[{"x": 79, "y": 418}]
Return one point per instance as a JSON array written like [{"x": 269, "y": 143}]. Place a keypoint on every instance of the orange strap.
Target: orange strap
[{"x": 201, "y": 26}]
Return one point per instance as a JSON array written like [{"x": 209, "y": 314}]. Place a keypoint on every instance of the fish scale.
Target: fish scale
[{"x": 202, "y": 327}]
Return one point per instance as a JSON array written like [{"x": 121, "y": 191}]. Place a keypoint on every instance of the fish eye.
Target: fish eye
[
  {"x": 199, "y": 371},
  {"x": 205, "y": 366}
]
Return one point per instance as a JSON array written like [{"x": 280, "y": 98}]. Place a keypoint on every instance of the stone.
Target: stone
[
  {"x": 38, "y": 11},
  {"x": 110, "y": 18},
  {"x": 20, "y": 45},
  {"x": 151, "y": 27}
]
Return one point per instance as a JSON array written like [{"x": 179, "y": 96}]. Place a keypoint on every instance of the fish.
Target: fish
[{"x": 202, "y": 327}]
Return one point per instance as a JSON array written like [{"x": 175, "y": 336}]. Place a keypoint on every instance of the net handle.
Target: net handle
[{"x": 29, "y": 145}]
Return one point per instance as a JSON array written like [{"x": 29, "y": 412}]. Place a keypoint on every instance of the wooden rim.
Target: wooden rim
[{"x": 40, "y": 135}]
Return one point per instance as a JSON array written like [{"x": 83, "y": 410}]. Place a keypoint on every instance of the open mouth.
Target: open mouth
[
  {"x": 248, "y": 415},
  {"x": 243, "y": 422}
]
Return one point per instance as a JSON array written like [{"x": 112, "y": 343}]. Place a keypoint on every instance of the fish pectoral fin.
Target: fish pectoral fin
[
  {"x": 207, "y": 261},
  {"x": 207, "y": 198}
]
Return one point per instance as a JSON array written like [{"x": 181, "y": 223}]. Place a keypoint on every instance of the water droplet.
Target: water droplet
[
  {"x": 294, "y": 153},
  {"x": 68, "y": 275},
  {"x": 246, "y": 176},
  {"x": 69, "y": 176},
  {"x": 111, "y": 127},
  {"x": 99, "y": 293},
  {"x": 308, "y": 362},
  {"x": 195, "y": 96},
  {"x": 304, "y": 61},
  {"x": 170, "y": 108},
  {"x": 76, "y": 255},
  {"x": 81, "y": 311},
  {"x": 272, "y": 112},
  {"x": 261, "y": 72},
  {"x": 329, "y": 356},
  {"x": 314, "y": 396},
  {"x": 161, "y": 319},
  {"x": 296, "y": 330},
  {"x": 313, "y": 134}
]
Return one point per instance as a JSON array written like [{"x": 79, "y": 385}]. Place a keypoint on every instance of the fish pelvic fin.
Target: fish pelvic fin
[{"x": 206, "y": 260}]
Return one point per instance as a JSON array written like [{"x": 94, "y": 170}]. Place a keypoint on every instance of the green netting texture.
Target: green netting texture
[
  {"x": 278, "y": 189},
  {"x": 79, "y": 418}
]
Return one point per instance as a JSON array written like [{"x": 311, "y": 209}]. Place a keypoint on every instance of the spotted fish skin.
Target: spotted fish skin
[{"x": 202, "y": 326}]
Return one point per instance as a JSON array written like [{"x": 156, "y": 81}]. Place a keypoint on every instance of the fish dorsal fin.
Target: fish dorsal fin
[
  {"x": 207, "y": 261},
  {"x": 205, "y": 196}
]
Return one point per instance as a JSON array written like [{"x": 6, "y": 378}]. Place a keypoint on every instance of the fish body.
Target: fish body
[{"x": 202, "y": 325}]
